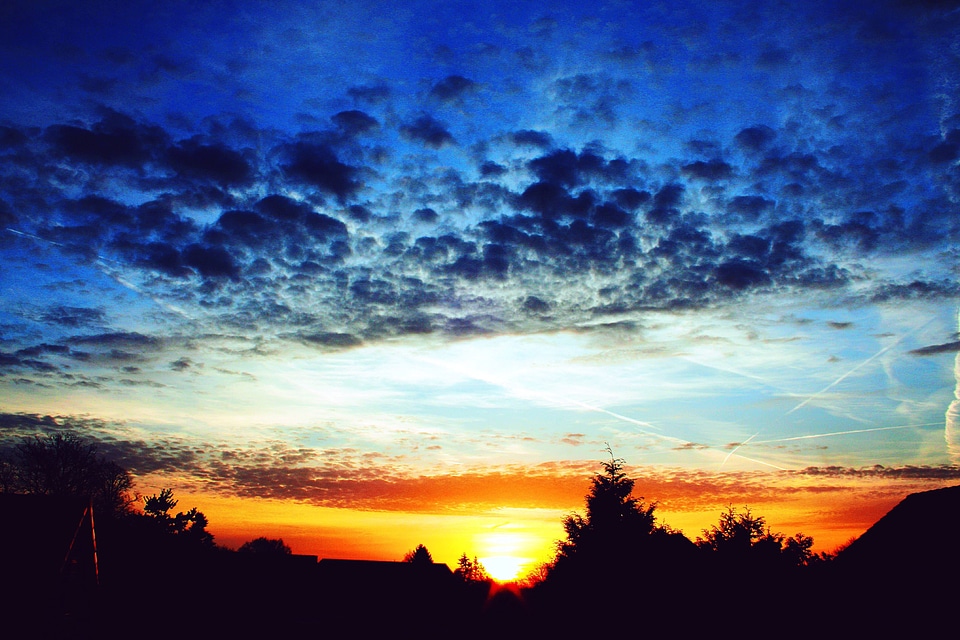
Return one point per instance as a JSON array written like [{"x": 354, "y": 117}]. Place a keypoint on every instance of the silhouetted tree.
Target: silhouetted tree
[
  {"x": 420, "y": 555},
  {"x": 8, "y": 477},
  {"x": 266, "y": 547},
  {"x": 743, "y": 538},
  {"x": 614, "y": 520},
  {"x": 736, "y": 533},
  {"x": 537, "y": 575},
  {"x": 158, "y": 506},
  {"x": 613, "y": 557},
  {"x": 64, "y": 465},
  {"x": 188, "y": 526},
  {"x": 471, "y": 570}
]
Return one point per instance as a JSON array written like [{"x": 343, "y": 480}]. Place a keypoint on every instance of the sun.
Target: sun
[
  {"x": 504, "y": 568},
  {"x": 505, "y": 553}
]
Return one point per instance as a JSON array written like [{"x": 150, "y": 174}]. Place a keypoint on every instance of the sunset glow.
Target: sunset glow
[{"x": 364, "y": 277}]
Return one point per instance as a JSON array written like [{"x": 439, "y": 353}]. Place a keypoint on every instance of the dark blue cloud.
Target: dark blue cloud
[
  {"x": 316, "y": 164},
  {"x": 452, "y": 88},
  {"x": 355, "y": 122},
  {"x": 429, "y": 131},
  {"x": 634, "y": 185},
  {"x": 213, "y": 162},
  {"x": 115, "y": 140}
]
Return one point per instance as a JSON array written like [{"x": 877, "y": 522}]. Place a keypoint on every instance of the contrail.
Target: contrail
[
  {"x": 551, "y": 399},
  {"x": 768, "y": 464},
  {"x": 570, "y": 401},
  {"x": 734, "y": 450},
  {"x": 122, "y": 281},
  {"x": 736, "y": 372},
  {"x": 862, "y": 364},
  {"x": 845, "y": 433},
  {"x": 33, "y": 237},
  {"x": 160, "y": 303},
  {"x": 811, "y": 437}
]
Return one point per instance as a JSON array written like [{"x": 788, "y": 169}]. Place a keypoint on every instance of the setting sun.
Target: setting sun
[
  {"x": 504, "y": 568},
  {"x": 507, "y": 553}
]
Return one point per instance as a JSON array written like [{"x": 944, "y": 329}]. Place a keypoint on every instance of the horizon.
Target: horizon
[{"x": 365, "y": 279}]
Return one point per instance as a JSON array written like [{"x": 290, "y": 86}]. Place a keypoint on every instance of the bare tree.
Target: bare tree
[{"x": 64, "y": 465}]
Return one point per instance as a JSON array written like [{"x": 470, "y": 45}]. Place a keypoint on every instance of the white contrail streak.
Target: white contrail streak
[
  {"x": 33, "y": 237},
  {"x": 734, "y": 450},
  {"x": 522, "y": 391},
  {"x": 852, "y": 371},
  {"x": 122, "y": 281},
  {"x": 813, "y": 436}
]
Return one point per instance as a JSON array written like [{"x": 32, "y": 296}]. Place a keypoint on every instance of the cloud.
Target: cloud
[
  {"x": 354, "y": 122},
  {"x": 589, "y": 98},
  {"x": 452, "y": 88},
  {"x": 913, "y": 472},
  {"x": 117, "y": 340},
  {"x": 316, "y": 164},
  {"x": 73, "y": 317},
  {"x": 372, "y": 94},
  {"x": 429, "y": 131},
  {"x": 755, "y": 138},
  {"x": 253, "y": 225},
  {"x": 711, "y": 170},
  {"x": 115, "y": 140},
  {"x": 935, "y": 349},
  {"x": 181, "y": 364},
  {"x": 210, "y": 162},
  {"x": 531, "y": 138},
  {"x": 839, "y": 325},
  {"x": 210, "y": 261},
  {"x": 331, "y": 340}
]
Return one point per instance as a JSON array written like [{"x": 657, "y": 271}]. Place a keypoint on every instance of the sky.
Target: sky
[{"x": 365, "y": 277}]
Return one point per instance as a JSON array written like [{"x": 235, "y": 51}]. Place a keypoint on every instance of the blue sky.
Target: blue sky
[{"x": 258, "y": 249}]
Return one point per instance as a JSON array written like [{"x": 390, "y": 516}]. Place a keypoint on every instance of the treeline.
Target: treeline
[{"x": 617, "y": 565}]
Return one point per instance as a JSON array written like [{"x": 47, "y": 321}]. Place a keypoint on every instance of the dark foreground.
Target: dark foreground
[{"x": 228, "y": 596}]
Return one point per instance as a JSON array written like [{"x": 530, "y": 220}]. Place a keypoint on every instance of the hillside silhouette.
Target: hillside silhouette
[{"x": 75, "y": 572}]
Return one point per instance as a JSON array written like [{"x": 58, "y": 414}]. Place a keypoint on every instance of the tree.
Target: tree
[
  {"x": 736, "y": 533},
  {"x": 614, "y": 518},
  {"x": 798, "y": 551},
  {"x": 471, "y": 570},
  {"x": 188, "y": 526},
  {"x": 266, "y": 547},
  {"x": 64, "y": 465},
  {"x": 743, "y": 537},
  {"x": 158, "y": 506},
  {"x": 8, "y": 477},
  {"x": 538, "y": 574},
  {"x": 616, "y": 554},
  {"x": 420, "y": 555}
]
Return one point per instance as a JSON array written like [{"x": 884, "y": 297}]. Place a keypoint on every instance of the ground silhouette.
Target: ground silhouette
[{"x": 618, "y": 571}]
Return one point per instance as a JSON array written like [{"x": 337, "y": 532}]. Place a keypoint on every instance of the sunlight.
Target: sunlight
[
  {"x": 504, "y": 553},
  {"x": 504, "y": 568}
]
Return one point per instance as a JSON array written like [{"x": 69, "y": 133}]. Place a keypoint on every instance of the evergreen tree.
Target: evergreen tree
[
  {"x": 471, "y": 570},
  {"x": 615, "y": 519},
  {"x": 420, "y": 555}
]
